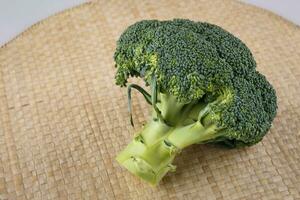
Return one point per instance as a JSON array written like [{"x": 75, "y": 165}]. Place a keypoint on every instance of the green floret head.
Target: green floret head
[
  {"x": 229, "y": 48},
  {"x": 244, "y": 113},
  {"x": 183, "y": 56}
]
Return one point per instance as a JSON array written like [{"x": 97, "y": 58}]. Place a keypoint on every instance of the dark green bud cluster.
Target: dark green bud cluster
[
  {"x": 196, "y": 61},
  {"x": 251, "y": 112}
]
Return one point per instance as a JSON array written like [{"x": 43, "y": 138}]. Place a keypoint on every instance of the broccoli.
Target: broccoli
[{"x": 203, "y": 88}]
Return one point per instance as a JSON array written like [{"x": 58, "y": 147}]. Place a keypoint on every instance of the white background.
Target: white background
[{"x": 17, "y": 15}]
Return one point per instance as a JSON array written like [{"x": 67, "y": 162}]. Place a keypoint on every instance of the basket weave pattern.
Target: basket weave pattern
[{"x": 62, "y": 119}]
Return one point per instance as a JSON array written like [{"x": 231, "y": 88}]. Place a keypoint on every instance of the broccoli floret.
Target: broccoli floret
[{"x": 204, "y": 89}]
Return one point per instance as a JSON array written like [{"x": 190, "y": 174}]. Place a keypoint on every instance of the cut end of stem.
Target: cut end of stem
[{"x": 142, "y": 169}]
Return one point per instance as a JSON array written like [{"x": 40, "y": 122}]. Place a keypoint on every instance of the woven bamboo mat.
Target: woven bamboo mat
[{"x": 62, "y": 119}]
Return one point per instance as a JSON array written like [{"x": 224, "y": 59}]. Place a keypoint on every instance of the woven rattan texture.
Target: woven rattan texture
[{"x": 62, "y": 119}]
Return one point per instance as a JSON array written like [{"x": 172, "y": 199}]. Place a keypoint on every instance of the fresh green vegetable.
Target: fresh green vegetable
[{"x": 204, "y": 89}]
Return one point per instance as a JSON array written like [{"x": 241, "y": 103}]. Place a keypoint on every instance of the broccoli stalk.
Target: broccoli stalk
[
  {"x": 204, "y": 89},
  {"x": 171, "y": 109},
  {"x": 150, "y": 160},
  {"x": 152, "y": 151}
]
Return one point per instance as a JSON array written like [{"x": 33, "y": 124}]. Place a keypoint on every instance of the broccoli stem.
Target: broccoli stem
[
  {"x": 151, "y": 153},
  {"x": 149, "y": 156},
  {"x": 154, "y": 130},
  {"x": 170, "y": 109},
  {"x": 195, "y": 133}
]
